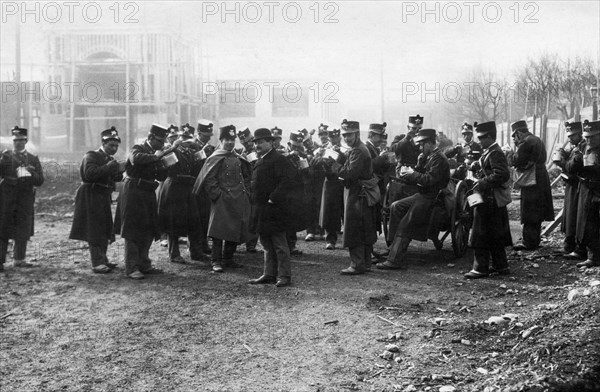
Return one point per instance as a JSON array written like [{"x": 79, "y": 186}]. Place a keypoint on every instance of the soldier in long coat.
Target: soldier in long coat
[
  {"x": 226, "y": 178},
  {"x": 380, "y": 164},
  {"x": 490, "y": 233},
  {"x": 248, "y": 152},
  {"x": 410, "y": 217},
  {"x": 272, "y": 181},
  {"x": 536, "y": 200},
  {"x": 332, "y": 197},
  {"x": 205, "y": 133},
  {"x": 178, "y": 213},
  {"x": 136, "y": 219},
  {"x": 588, "y": 217},
  {"x": 359, "y": 217},
  {"x": 93, "y": 220},
  {"x": 20, "y": 173},
  {"x": 572, "y": 248},
  {"x": 314, "y": 188}
]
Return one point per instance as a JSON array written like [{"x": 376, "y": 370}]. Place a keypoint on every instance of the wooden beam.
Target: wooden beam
[{"x": 557, "y": 221}]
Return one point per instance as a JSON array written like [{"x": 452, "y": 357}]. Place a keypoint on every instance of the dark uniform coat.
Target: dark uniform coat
[
  {"x": 490, "y": 222},
  {"x": 431, "y": 175},
  {"x": 588, "y": 216},
  {"x": 359, "y": 218},
  {"x": 178, "y": 213},
  {"x": 272, "y": 179},
  {"x": 137, "y": 210},
  {"x": 92, "y": 220},
  {"x": 332, "y": 196},
  {"x": 407, "y": 152},
  {"x": 380, "y": 167},
  {"x": 17, "y": 195},
  {"x": 536, "y": 200},
  {"x": 298, "y": 197},
  {"x": 571, "y": 181},
  {"x": 225, "y": 177}
]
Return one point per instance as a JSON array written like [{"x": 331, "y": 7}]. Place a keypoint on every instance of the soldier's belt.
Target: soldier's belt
[
  {"x": 97, "y": 184},
  {"x": 592, "y": 184},
  {"x": 143, "y": 184}
]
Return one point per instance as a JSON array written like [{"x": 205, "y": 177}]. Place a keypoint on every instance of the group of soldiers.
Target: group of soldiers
[{"x": 176, "y": 184}]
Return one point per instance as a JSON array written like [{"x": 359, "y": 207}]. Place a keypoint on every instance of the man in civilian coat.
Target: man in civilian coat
[
  {"x": 410, "y": 216},
  {"x": 178, "y": 213},
  {"x": 136, "y": 219},
  {"x": 573, "y": 249},
  {"x": 490, "y": 233},
  {"x": 359, "y": 217},
  {"x": 380, "y": 163},
  {"x": 536, "y": 200},
  {"x": 226, "y": 179},
  {"x": 204, "y": 134},
  {"x": 272, "y": 179},
  {"x": 314, "y": 186},
  {"x": 588, "y": 216},
  {"x": 20, "y": 173},
  {"x": 248, "y": 152},
  {"x": 93, "y": 220}
]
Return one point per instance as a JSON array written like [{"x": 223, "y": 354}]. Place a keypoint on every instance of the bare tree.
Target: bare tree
[{"x": 574, "y": 83}]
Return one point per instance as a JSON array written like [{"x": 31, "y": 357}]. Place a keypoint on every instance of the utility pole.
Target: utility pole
[{"x": 18, "y": 68}]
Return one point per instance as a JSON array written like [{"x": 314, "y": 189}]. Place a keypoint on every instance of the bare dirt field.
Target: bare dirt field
[{"x": 64, "y": 328}]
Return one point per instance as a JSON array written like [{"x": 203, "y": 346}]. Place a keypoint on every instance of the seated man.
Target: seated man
[{"x": 410, "y": 216}]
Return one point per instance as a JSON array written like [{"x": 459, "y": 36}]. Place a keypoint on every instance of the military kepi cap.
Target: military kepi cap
[
  {"x": 573, "y": 127},
  {"x": 158, "y": 131},
  {"x": 173, "y": 130},
  {"x": 322, "y": 129},
  {"x": 350, "y": 127},
  {"x": 378, "y": 128},
  {"x": 245, "y": 135},
  {"x": 487, "y": 128},
  {"x": 276, "y": 133},
  {"x": 415, "y": 121},
  {"x": 333, "y": 133},
  {"x": 262, "y": 133},
  {"x": 205, "y": 127},
  {"x": 110, "y": 134},
  {"x": 591, "y": 128},
  {"x": 426, "y": 134},
  {"x": 186, "y": 130},
  {"x": 19, "y": 133},
  {"x": 518, "y": 126},
  {"x": 467, "y": 128},
  {"x": 296, "y": 138},
  {"x": 227, "y": 132}
]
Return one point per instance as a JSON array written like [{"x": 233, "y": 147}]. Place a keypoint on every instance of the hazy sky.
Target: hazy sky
[{"x": 419, "y": 42}]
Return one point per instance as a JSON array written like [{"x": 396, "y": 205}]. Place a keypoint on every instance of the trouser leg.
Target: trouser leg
[
  {"x": 499, "y": 260},
  {"x": 532, "y": 234},
  {"x": 569, "y": 244},
  {"x": 19, "y": 250},
  {"x": 357, "y": 257},
  {"x": 174, "y": 247},
  {"x": 481, "y": 261},
  {"x": 282, "y": 251},
  {"x": 97, "y": 254},
  {"x": 145, "y": 244},
  {"x": 331, "y": 236},
  {"x": 270, "y": 257},
  {"x": 368, "y": 249},
  {"x": 292, "y": 238},
  {"x": 217, "y": 251},
  {"x": 398, "y": 210},
  {"x": 195, "y": 244},
  {"x": 132, "y": 256},
  {"x": 251, "y": 244},
  {"x": 3, "y": 250},
  {"x": 228, "y": 251}
]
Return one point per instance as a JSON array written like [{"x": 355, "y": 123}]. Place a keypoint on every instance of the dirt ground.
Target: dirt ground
[{"x": 64, "y": 328}]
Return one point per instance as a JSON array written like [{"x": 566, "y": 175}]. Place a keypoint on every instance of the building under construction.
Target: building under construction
[{"x": 127, "y": 79}]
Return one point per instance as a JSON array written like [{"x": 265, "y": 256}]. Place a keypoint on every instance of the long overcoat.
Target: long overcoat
[
  {"x": 332, "y": 196},
  {"x": 272, "y": 179},
  {"x": 359, "y": 218},
  {"x": 588, "y": 216},
  {"x": 490, "y": 222},
  {"x": 17, "y": 194},
  {"x": 536, "y": 200},
  {"x": 178, "y": 213},
  {"x": 93, "y": 220},
  {"x": 136, "y": 218},
  {"x": 222, "y": 177},
  {"x": 571, "y": 181}
]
